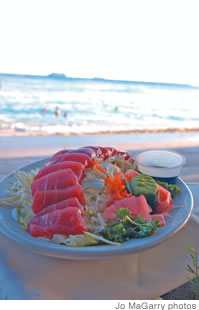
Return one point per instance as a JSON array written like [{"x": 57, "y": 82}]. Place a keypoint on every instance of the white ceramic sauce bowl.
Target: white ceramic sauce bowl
[{"x": 160, "y": 163}]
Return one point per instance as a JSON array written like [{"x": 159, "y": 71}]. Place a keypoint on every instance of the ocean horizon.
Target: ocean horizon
[
  {"x": 59, "y": 104},
  {"x": 62, "y": 76}
]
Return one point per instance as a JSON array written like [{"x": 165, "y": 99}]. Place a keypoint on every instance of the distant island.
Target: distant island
[
  {"x": 57, "y": 76},
  {"x": 62, "y": 76}
]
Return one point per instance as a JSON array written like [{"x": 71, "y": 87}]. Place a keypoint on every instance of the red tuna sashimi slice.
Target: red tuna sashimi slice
[
  {"x": 96, "y": 149},
  {"x": 38, "y": 231},
  {"x": 103, "y": 152},
  {"x": 59, "y": 153},
  {"x": 70, "y": 202},
  {"x": 84, "y": 150},
  {"x": 77, "y": 157},
  {"x": 49, "y": 197},
  {"x": 109, "y": 201},
  {"x": 68, "y": 221},
  {"x": 136, "y": 205},
  {"x": 106, "y": 152},
  {"x": 56, "y": 180},
  {"x": 165, "y": 203},
  {"x": 76, "y": 167},
  {"x": 111, "y": 151}
]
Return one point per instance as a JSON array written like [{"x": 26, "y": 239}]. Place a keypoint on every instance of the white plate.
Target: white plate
[{"x": 183, "y": 205}]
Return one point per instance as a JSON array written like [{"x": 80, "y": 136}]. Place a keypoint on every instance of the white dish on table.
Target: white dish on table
[{"x": 183, "y": 205}]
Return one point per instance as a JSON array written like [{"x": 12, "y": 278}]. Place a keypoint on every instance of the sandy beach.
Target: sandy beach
[{"x": 19, "y": 150}]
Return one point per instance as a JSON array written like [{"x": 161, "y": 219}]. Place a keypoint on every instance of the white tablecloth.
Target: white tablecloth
[{"x": 146, "y": 275}]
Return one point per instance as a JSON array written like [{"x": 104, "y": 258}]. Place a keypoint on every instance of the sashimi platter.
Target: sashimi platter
[{"x": 90, "y": 201}]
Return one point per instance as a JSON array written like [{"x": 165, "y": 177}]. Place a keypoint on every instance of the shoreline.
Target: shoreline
[
  {"x": 17, "y": 151},
  {"x": 19, "y": 132},
  {"x": 45, "y": 145}
]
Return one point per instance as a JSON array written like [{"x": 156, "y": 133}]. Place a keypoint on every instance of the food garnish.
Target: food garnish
[{"x": 126, "y": 227}]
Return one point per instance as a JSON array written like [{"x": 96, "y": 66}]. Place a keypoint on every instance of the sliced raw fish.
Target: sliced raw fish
[
  {"x": 103, "y": 152},
  {"x": 62, "y": 152},
  {"x": 68, "y": 221},
  {"x": 127, "y": 155},
  {"x": 165, "y": 203},
  {"x": 38, "y": 231},
  {"x": 106, "y": 152},
  {"x": 45, "y": 198},
  {"x": 70, "y": 202},
  {"x": 86, "y": 160},
  {"x": 96, "y": 149},
  {"x": 136, "y": 205},
  {"x": 59, "y": 153},
  {"x": 56, "y": 180},
  {"x": 84, "y": 150},
  {"x": 109, "y": 201},
  {"x": 111, "y": 151},
  {"x": 76, "y": 167},
  {"x": 92, "y": 152}
]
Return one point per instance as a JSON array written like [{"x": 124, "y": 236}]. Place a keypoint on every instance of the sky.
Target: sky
[{"x": 155, "y": 41}]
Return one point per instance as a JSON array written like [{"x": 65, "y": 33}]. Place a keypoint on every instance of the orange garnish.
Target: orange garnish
[
  {"x": 116, "y": 185},
  {"x": 95, "y": 163},
  {"x": 100, "y": 169},
  {"x": 129, "y": 176}
]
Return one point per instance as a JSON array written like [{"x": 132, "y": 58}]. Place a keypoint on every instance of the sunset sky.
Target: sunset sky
[{"x": 126, "y": 40}]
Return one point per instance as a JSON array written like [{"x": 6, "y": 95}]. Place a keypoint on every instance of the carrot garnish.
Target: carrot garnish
[
  {"x": 129, "y": 176},
  {"x": 116, "y": 186},
  {"x": 95, "y": 164},
  {"x": 100, "y": 169}
]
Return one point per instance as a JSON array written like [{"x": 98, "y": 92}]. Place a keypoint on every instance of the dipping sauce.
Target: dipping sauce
[{"x": 161, "y": 164}]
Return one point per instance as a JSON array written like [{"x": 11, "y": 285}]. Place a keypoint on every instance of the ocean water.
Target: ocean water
[{"x": 94, "y": 105}]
